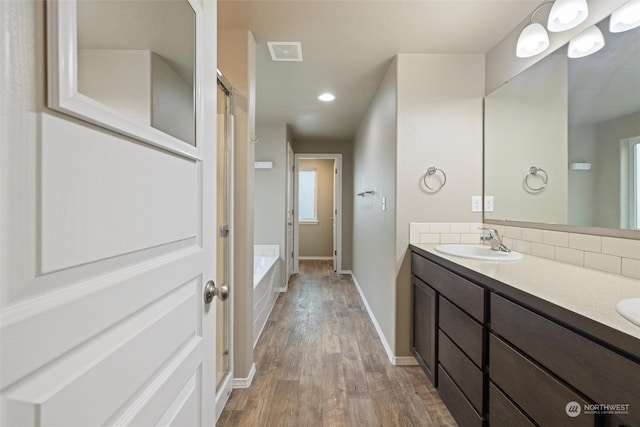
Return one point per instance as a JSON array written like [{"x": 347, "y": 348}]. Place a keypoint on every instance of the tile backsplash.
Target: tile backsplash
[{"x": 610, "y": 254}]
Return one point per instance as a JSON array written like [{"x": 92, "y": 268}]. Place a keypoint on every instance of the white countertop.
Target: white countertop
[{"x": 590, "y": 293}]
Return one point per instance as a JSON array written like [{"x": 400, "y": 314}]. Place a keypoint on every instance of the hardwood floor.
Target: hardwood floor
[{"x": 320, "y": 362}]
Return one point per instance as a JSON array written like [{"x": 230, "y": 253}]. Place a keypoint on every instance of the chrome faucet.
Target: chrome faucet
[{"x": 494, "y": 240}]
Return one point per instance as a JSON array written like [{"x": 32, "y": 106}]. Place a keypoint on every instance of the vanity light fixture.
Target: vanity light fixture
[
  {"x": 567, "y": 14},
  {"x": 533, "y": 38},
  {"x": 586, "y": 43},
  {"x": 326, "y": 97},
  {"x": 532, "y": 41},
  {"x": 625, "y": 18}
]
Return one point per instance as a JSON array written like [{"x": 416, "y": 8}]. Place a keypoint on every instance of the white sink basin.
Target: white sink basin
[
  {"x": 478, "y": 252},
  {"x": 630, "y": 309}
]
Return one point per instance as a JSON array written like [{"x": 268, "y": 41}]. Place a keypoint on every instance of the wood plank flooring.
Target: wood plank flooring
[{"x": 319, "y": 362}]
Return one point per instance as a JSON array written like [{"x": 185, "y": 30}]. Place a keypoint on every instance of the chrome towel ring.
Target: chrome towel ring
[
  {"x": 432, "y": 170},
  {"x": 536, "y": 172}
]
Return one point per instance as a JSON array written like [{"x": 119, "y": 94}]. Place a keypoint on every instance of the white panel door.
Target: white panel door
[{"x": 106, "y": 244}]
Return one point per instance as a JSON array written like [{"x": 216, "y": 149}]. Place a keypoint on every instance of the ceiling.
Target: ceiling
[{"x": 347, "y": 46}]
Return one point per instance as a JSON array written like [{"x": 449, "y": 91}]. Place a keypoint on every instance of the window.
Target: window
[{"x": 307, "y": 195}]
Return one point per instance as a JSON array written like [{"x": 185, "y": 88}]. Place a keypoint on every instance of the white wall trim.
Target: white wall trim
[
  {"x": 319, "y": 258},
  {"x": 405, "y": 361},
  {"x": 385, "y": 344},
  {"x": 245, "y": 382}
]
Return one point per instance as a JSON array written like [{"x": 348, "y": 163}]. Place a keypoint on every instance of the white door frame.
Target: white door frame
[
  {"x": 290, "y": 191},
  {"x": 337, "y": 158}
]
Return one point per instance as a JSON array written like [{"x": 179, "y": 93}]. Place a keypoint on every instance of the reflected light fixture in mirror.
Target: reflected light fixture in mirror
[
  {"x": 586, "y": 43},
  {"x": 626, "y": 18},
  {"x": 567, "y": 14}
]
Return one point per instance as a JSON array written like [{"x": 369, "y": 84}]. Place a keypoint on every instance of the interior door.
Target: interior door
[
  {"x": 106, "y": 245},
  {"x": 290, "y": 213}
]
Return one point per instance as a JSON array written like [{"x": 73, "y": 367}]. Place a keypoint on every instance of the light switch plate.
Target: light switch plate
[
  {"x": 488, "y": 203},
  {"x": 476, "y": 203}
]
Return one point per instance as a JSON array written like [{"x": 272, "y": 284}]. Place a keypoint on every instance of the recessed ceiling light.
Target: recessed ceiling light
[{"x": 327, "y": 97}]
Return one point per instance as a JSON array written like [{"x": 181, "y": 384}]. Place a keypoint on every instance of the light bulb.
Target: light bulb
[{"x": 625, "y": 18}]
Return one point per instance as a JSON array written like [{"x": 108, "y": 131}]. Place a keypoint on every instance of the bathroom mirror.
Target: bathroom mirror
[
  {"x": 127, "y": 65},
  {"x": 579, "y": 121}
]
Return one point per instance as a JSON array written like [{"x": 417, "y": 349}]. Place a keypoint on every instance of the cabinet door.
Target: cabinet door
[{"x": 424, "y": 327}]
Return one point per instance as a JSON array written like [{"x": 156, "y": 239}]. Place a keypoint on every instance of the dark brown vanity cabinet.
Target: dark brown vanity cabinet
[
  {"x": 448, "y": 337},
  {"x": 501, "y": 357}
]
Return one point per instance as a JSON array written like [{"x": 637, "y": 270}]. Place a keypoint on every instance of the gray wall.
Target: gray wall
[
  {"x": 316, "y": 240},
  {"x": 348, "y": 196},
  {"x": 374, "y": 231},
  {"x": 427, "y": 112},
  {"x": 439, "y": 123},
  {"x": 270, "y": 186}
]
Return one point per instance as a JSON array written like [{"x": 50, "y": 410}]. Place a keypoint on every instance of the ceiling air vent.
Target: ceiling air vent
[{"x": 285, "y": 51}]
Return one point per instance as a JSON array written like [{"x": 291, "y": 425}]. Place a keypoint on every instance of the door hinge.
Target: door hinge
[
  {"x": 291, "y": 254},
  {"x": 224, "y": 231},
  {"x": 335, "y": 252},
  {"x": 336, "y": 171}
]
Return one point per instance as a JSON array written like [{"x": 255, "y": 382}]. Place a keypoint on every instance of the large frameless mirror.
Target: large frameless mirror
[
  {"x": 127, "y": 65},
  {"x": 561, "y": 141}
]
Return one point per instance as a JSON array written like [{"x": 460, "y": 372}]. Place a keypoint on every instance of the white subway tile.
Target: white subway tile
[
  {"x": 429, "y": 238},
  {"x": 532, "y": 235},
  {"x": 414, "y": 235},
  {"x": 475, "y": 227},
  {"x": 570, "y": 256},
  {"x": 459, "y": 227},
  {"x": 585, "y": 242},
  {"x": 421, "y": 227},
  {"x": 470, "y": 238},
  {"x": 602, "y": 262},
  {"x": 626, "y": 248},
  {"x": 555, "y": 238},
  {"x": 522, "y": 246},
  {"x": 449, "y": 238},
  {"x": 508, "y": 241},
  {"x": 543, "y": 251},
  {"x": 631, "y": 268},
  {"x": 513, "y": 232},
  {"x": 439, "y": 227}
]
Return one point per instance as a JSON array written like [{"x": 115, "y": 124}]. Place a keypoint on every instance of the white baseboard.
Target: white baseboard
[
  {"x": 318, "y": 258},
  {"x": 266, "y": 320},
  {"x": 387, "y": 347},
  {"x": 281, "y": 290},
  {"x": 245, "y": 382},
  {"x": 349, "y": 272}
]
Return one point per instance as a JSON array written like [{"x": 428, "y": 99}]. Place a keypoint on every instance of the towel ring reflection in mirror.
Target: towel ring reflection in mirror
[
  {"x": 432, "y": 170},
  {"x": 540, "y": 173}
]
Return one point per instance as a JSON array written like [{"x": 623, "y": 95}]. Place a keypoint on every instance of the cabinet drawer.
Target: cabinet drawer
[
  {"x": 461, "y": 369},
  {"x": 542, "y": 396},
  {"x": 458, "y": 405},
  {"x": 600, "y": 374},
  {"x": 462, "y": 329},
  {"x": 502, "y": 412},
  {"x": 466, "y": 295}
]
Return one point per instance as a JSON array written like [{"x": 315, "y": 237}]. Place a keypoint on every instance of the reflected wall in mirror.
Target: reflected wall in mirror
[
  {"x": 579, "y": 120},
  {"x": 128, "y": 65}
]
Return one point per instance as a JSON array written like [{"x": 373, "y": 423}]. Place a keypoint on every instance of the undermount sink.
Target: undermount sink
[
  {"x": 630, "y": 309},
  {"x": 481, "y": 252}
]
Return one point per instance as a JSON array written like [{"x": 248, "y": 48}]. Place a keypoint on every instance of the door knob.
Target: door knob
[{"x": 211, "y": 290}]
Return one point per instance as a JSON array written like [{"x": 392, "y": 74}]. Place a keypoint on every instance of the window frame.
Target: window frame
[{"x": 633, "y": 147}]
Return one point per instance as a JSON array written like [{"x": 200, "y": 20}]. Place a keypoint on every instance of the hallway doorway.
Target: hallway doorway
[{"x": 318, "y": 217}]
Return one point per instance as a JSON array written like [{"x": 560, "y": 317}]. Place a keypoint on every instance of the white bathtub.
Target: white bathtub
[
  {"x": 267, "y": 282},
  {"x": 262, "y": 265}
]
